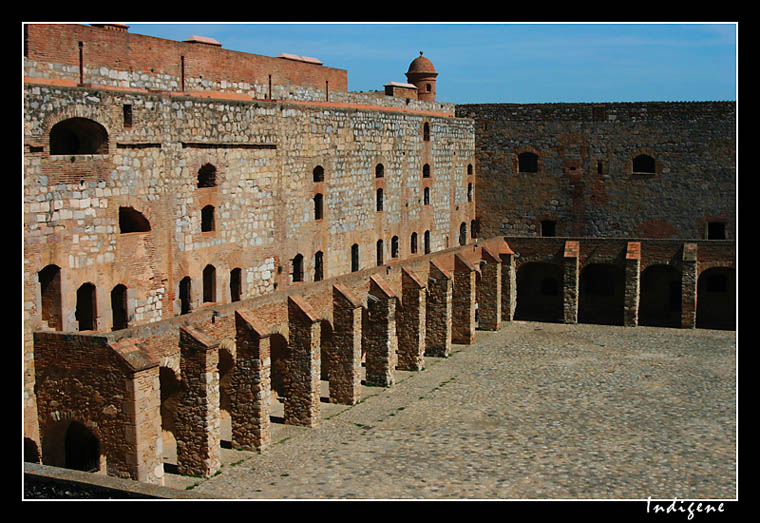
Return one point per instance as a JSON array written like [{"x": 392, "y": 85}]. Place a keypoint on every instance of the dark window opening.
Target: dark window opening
[
  {"x": 127, "y": 114},
  {"x": 527, "y": 163},
  {"x": 354, "y": 258},
  {"x": 318, "y": 174},
  {"x": 426, "y": 171},
  {"x": 379, "y": 171},
  {"x": 474, "y": 229},
  {"x": 207, "y": 219},
  {"x": 426, "y": 242},
  {"x": 394, "y": 247},
  {"x": 184, "y": 295},
  {"x": 50, "y": 293},
  {"x": 463, "y": 234},
  {"x": 599, "y": 167},
  {"x": 379, "y": 200},
  {"x": 426, "y": 196},
  {"x": 643, "y": 164},
  {"x": 119, "y": 307},
  {"x": 78, "y": 136},
  {"x": 469, "y": 192},
  {"x": 716, "y": 231},
  {"x": 207, "y": 176},
  {"x": 236, "y": 284},
  {"x": 131, "y": 220},
  {"x": 379, "y": 252},
  {"x": 319, "y": 266},
  {"x": 298, "y": 268},
  {"x": 209, "y": 284},
  {"x": 413, "y": 243},
  {"x": 548, "y": 228},
  {"x": 318, "y": 199},
  {"x": 469, "y": 168},
  {"x": 426, "y": 132},
  {"x": 86, "y": 311}
]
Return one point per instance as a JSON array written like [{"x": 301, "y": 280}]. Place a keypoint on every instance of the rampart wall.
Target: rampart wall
[{"x": 584, "y": 178}]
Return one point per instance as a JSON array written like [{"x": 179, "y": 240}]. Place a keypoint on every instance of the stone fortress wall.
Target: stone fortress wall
[{"x": 205, "y": 230}]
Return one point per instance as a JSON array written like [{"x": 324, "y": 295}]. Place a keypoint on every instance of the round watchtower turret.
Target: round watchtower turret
[{"x": 422, "y": 75}]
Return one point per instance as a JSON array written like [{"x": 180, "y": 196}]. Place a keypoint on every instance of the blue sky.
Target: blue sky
[{"x": 506, "y": 63}]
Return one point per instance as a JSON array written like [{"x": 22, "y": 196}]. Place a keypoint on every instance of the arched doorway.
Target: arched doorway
[
  {"x": 50, "y": 294},
  {"x": 119, "y": 307},
  {"x": 601, "y": 297},
  {"x": 660, "y": 296},
  {"x": 78, "y": 136},
  {"x": 82, "y": 448},
  {"x": 716, "y": 299},
  {"x": 170, "y": 397},
  {"x": 279, "y": 357},
  {"x": 225, "y": 366},
  {"x": 86, "y": 311},
  {"x": 539, "y": 292}
]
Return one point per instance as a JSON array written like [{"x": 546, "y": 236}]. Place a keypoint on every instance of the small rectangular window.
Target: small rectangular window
[
  {"x": 716, "y": 231},
  {"x": 127, "y": 115},
  {"x": 548, "y": 228}
]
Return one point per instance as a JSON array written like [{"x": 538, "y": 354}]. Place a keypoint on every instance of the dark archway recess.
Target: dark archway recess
[
  {"x": 82, "y": 448},
  {"x": 86, "y": 311},
  {"x": 131, "y": 220},
  {"x": 716, "y": 299},
  {"x": 660, "y": 297},
  {"x": 539, "y": 293},
  {"x": 50, "y": 294},
  {"x": 279, "y": 357},
  {"x": 78, "y": 136},
  {"x": 184, "y": 295},
  {"x": 119, "y": 307},
  {"x": 601, "y": 297}
]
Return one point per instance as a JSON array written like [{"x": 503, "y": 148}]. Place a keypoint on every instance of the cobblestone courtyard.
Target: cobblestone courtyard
[{"x": 534, "y": 411}]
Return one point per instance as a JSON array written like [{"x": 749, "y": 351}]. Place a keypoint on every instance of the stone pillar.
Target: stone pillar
[
  {"x": 346, "y": 355},
  {"x": 632, "y": 277},
  {"x": 689, "y": 279},
  {"x": 302, "y": 383},
  {"x": 489, "y": 291},
  {"x": 198, "y": 425},
  {"x": 463, "y": 302},
  {"x": 572, "y": 250},
  {"x": 250, "y": 384},
  {"x": 379, "y": 334},
  {"x": 142, "y": 441},
  {"x": 411, "y": 334},
  {"x": 438, "y": 314},
  {"x": 508, "y": 283}
]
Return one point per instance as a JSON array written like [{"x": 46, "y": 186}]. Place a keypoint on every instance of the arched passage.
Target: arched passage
[
  {"x": 539, "y": 292},
  {"x": 716, "y": 299},
  {"x": 50, "y": 294},
  {"x": 86, "y": 310},
  {"x": 601, "y": 295},
  {"x": 170, "y": 397},
  {"x": 279, "y": 358},
  {"x": 119, "y": 307},
  {"x": 225, "y": 366},
  {"x": 78, "y": 136},
  {"x": 660, "y": 296},
  {"x": 70, "y": 444}
]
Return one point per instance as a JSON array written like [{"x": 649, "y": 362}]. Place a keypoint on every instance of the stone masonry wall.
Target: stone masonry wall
[{"x": 585, "y": 182}]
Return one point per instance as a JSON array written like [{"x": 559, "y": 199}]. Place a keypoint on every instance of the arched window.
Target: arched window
[
  {"x": 413, "y": 243},
  {"x": 318, "y": 174},
  {"x": 207, "y": 219},
  {"x": 119, "y": 307},
  {"x": 86, "y": 311},
  {"x": 469, "y": 168},
  {"x": 527, "y": 163},
  {"x": 50, "y": 293},
  {"x": 379, "y": 171},
  {"x": 474, "y": 229},
  {"x": 643, "y": 164},
  {"x": 184, "y": 295},
  {"x": 426, "y": 171},
  {"x": 426, "y": 132},
  {"x": 469, "y": 192},
  {"x": 379, "y": 200},
  {"x": 209, "y": 284},
  {"x": 131, "y": 220},
  {"x": 394, "y": 247},
  {"x": 78, "y": 136},
  {"x": 354, "y": 257},
  {"x": 319, "y": 270},
  {"x": 207, "y": 176},
  {"x": 318, "y": 206},
  {"x": 236, "y": 284},
  {"x": 463, "y": 234},
  {"x": 426, "y": 242},
  {"x": 379, "y": 252},
  {"x": 426, "y": 196},
  {"x": 298, "y": 268}
]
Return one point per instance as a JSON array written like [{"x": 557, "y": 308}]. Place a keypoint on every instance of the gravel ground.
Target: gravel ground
[{"x": 534, "y": 411}]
